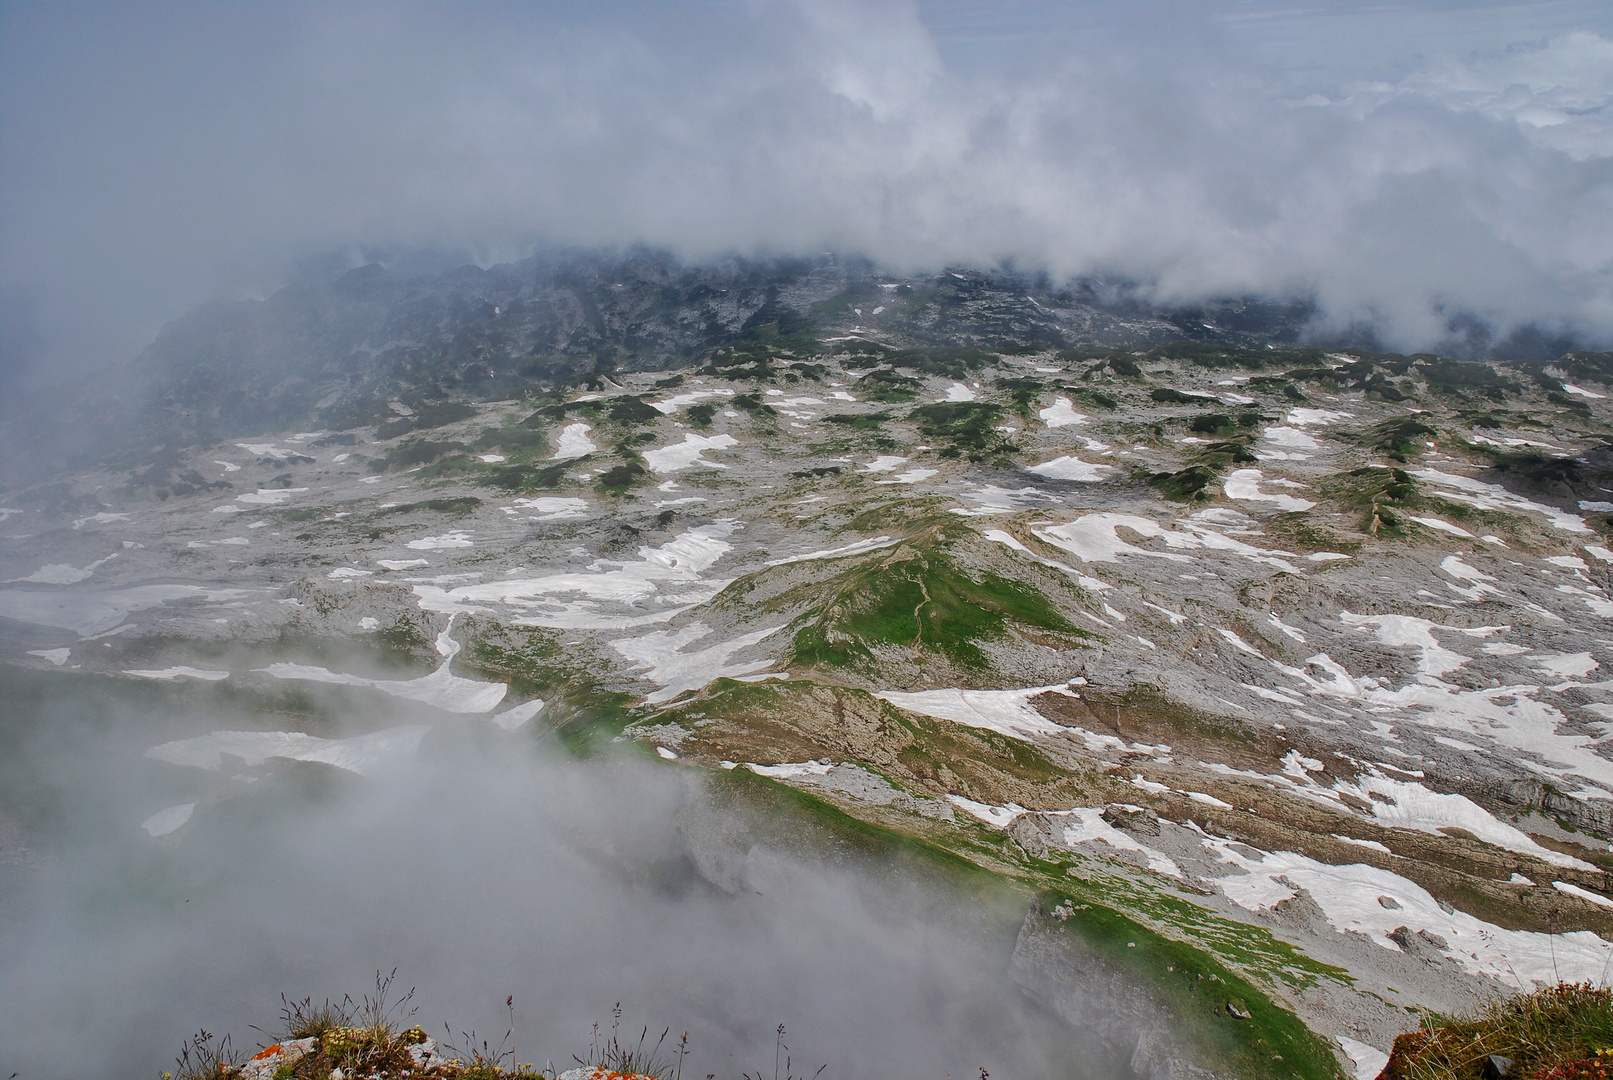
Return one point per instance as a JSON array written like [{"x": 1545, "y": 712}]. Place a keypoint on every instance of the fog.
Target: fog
[
  {"x": 485, "y": 865},
  {"x": 1405, "y": 164}
]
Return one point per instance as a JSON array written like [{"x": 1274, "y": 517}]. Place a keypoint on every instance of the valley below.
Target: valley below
[{"x": 965, "y": 668}]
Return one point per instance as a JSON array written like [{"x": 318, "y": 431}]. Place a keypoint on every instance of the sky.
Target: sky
[{"x": 1402, "y": 163}]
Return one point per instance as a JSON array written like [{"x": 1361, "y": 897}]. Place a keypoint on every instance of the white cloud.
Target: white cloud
[{"x": 1184, "y": 160}]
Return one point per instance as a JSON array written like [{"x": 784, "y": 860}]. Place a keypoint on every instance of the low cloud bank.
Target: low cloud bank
[
  {"x": 169, "y": 158},
  {"x": 481, "y": 867}
]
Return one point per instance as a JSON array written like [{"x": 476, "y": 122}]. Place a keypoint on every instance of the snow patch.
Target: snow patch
[
  {"x": 574, "y": 443},
  {"x": 1061, "y": 414},
  {"x": 678, "y": 672},
  {"x": 171, "y": 673},
  {"x": 1070, "y": 468},
  {"x": 680, "y": 456},
  {"x": 1244, "y": 486}
]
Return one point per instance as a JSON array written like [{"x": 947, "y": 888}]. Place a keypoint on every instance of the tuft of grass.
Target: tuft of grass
[
  {"x": 1541, "y": 1032},
  {"x": 633, "y": 1059},
  {"x": 204, "y": 1056}
]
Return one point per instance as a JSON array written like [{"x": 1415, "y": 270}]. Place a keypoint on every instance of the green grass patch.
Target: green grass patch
[
  {"x": 920, "y": 599},
  {"x": 1186, "y": 485},
  {"x": 1566, "y": 1027},
  {"x": 859, "y": 421},
  {"x": 968, "y": 428},
  {"x": 622, "y": 478}
]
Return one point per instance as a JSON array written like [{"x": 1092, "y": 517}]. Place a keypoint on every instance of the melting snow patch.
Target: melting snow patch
[
  {"x": 1368, "y": 1061},
  {"x": 959, "y": 392},
  {"x": 362, "y": 754},
  {"x": 911, "y": 476},
  {"x": 267, "y": 497},
  {"x": 1572, "y": 389},
  {"x": 1070, "y": 468},
  {"x": 680, "y": 456},
  {"x": 457, "y": 538},
  {"x": 102, "y": 518},
  {"x": 515, "y": 718},
  {"x": 998, "y": 817},
  {"x": 1094, "y": 538},
  {"x": 1348, "y": 896},
  {"x": 668, "y": 576},
  {"x": 858, "y": 548},
  {"x": 1484, "y": 496},
  {"x": 1409, "y": 805},
  {"x": 441, "y": 688},
  {"x": 58, "y": 657},
  {"x": 403, "y": 564},
  {"x": 349, "y": 572},
  {"x": 1061, "y": 414},
  {"x": 1583, "y": 894},
  {"x": 166, "y": 821},
  {"x": 790, "y": 770},
  {"x": 1007, "y": 712},
  {"x": 171, "y": 673},
  {"x": 1089, "y": 826},
  {"x": 574, "y": 443},
  {"x": 1319, "y": 417},
  {"x": 1566, "y": 665},
  {"x": 551, "y": 508},
  {"x": 1285, "y": 444},
  {"x": 1244, "y": 485},
  {"x": 1441, "y": 525},
  {"x": 673, "y": 404},
  {"x": 883, "y": 463},
  {"x": 678, "y": 672},
  {"x": 1408, "y": 630}
]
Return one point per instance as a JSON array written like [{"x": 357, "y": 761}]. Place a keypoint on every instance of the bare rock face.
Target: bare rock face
[{"x": 1136, "y": 819}]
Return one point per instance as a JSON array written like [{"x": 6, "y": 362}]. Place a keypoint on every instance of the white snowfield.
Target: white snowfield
[
  {"x": 362, "y": 754},
  {"x": 1007, "y": 712},
  {"x": 1441, "y": 525},
  {"x": 1094, "y": 538},
  {"x": 441, "y": 689},
  {"x": 1319, "y": 417},
  {"x": 911, "y": 476},
  {"x": 684, "y": 455},
  {"x": 1244, "y": 485},
  {"x": 91, "y": 613},
  {"x": 166, "y": 821},
  {"x": 790, "y": 769},
  {"x": 60, "y": 573},
  {"x": 169, "y": 674},
  {"x": 552, "y": 508},
  {"x": 1087, "y": 825},
  {"x": 1348, "y": 896},
  {"x": 1071, "y": 468},
  {"x": 1484, "y": 496},
  {"x": 456, "y": 538},
  {"x": 1286, "y": 444},
  {"x": 671, "y": 405},
  {"x": 858, "y": 548},
  {"x": 661, "y": 656},
  {"x": 269, "y": 496},
  {"x": 574, "y": 443},
  {"x": 959, "y": 392},
  {"x": 665, "y": 581},
  {"x": 998, "y": 817},
  {"x": 1061, "y": 414}
]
